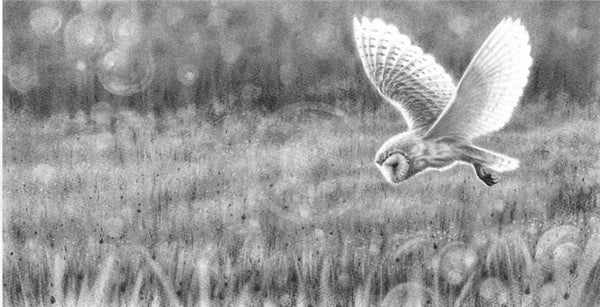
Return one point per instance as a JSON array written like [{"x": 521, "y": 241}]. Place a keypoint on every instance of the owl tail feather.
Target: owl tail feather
[{"x": 491, "y": 160}]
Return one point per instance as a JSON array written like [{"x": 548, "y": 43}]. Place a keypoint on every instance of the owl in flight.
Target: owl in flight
[{"x": 444, "y": 118}]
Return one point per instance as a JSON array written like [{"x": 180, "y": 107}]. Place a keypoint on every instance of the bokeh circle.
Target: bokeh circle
[
  {"x": 126, "y": 27},
  {"x": 125, "y": 72},
  {"x": 45, "y": 21},
  {"x": 22, "y": 77},
  {"x": 187, "y": 74},
  {"x": 85, "y": 35}
]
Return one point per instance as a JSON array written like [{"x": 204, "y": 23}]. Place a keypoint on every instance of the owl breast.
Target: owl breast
[{"x": 435, "y": 155}]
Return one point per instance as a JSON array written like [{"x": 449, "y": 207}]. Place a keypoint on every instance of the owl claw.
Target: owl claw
[{"x": 487, "y": 177}]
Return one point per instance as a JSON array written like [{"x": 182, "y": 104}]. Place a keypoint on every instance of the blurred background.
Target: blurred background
[
  {"x": 236, "y": 56},
  {"x": 222, "y": 153}
]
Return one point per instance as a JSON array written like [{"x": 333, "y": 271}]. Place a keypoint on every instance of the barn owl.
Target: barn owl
[{"x": 443, "y": 118}]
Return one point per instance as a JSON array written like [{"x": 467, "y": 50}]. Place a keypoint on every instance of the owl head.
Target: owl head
[{"x": 394, "y": 159}]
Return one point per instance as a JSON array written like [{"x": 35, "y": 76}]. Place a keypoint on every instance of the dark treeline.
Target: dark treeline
[{"x": 249, "y": 55}]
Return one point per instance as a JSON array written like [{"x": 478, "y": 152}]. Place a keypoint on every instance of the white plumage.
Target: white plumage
[
  {"x": 491, "y": 86},
  {"x": 412, "y": 81},
  {"x": 438, "y": 112}
]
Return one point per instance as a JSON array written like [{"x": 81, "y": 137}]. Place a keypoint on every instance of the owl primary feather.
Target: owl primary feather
[{"x": 444, "y": 118}]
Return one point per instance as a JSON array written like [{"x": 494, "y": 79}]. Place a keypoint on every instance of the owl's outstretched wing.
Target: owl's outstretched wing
[
  {"x": 490, "y": 87},
  {"x": 412, "y": 81}
]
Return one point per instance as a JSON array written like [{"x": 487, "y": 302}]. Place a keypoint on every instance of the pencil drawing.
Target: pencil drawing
[
  {"x": 444, "y": 119},
  {"x": 220, "y": 153}
]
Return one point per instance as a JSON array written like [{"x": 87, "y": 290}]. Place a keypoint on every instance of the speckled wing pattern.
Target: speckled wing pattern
[
  {"x": 491, "y": 86},
  {"x": 410, "y": 80}
]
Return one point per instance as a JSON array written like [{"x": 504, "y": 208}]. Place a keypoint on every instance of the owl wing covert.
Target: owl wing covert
[
  {"x": 410, "y": 80},
  {"x": 490, "y": 87}
]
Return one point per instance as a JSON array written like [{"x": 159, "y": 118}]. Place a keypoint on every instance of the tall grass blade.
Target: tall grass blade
[
  {"x": 102, "y": 281},
  {"x": 164, "y": 281}
]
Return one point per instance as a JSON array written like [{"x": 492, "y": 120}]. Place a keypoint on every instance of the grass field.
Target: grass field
[{"x": 288, "y": 210}]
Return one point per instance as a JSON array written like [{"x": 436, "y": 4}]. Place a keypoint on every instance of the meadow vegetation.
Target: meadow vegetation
[
  {"x": 287, "y": 209},
  {"x": 242, "y": 173}
]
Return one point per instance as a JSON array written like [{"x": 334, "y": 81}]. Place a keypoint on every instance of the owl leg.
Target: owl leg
[{"x": 485, "y": 175}]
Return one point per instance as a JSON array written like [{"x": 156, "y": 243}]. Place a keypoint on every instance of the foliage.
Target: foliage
[
  {"x": 231, "y": 56},
  {"x": 243, "y": 174},
  {"x": 135, "y": 209}
]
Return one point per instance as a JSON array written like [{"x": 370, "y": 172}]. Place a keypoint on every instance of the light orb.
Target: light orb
[
  {"x": 45, "y": 21},
  {"x": 187, "y": 74},
  {"x": 22, "y": 77},
  {"x": 230, "y": 51},
  {"x": 80, "y": 65},
  {"x": 126, "y": 27},
  {"x": 125, "y": 72},
  {"x": 85, "y": 35}
]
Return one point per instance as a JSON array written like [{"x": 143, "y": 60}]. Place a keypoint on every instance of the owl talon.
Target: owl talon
[
  {"x": 490, "y": 180},
  {"x": 487, "y": 177}
]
